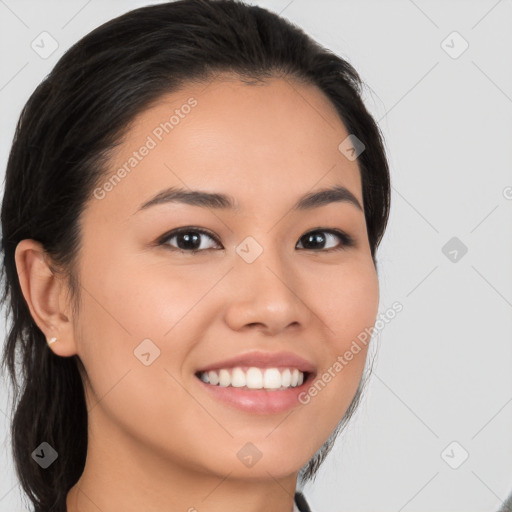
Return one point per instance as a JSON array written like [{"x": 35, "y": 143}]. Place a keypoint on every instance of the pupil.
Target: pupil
[
  {"x": 191, "y": 241},
  {"x": 314, "y": 237}
]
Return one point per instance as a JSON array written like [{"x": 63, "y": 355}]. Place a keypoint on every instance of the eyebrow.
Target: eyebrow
[{"x": 337, "y": 194}]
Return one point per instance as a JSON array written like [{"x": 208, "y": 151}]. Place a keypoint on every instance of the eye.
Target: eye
[
  {"x": 188, "y": 239},
  {"x": 312, "y": 239},
  {"x": 192, "y": 239}
]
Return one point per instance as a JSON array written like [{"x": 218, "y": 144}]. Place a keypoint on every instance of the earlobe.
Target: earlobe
[{"x": 42, "y": 289}]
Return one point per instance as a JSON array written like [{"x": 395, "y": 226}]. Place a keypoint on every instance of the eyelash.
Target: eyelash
[{"x": 346, "y": 240}]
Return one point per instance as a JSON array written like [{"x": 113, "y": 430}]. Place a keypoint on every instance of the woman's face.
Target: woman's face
[{"x": 268, "y": 280}]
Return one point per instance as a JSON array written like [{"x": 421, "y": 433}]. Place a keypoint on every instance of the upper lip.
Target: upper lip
[{"x": 263, "y": 360}]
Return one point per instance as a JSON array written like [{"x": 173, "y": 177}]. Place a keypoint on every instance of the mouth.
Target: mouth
[{"x": 257, "y": 382}]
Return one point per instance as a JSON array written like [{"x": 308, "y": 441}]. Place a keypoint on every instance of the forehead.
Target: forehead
[{"x": 261, "y": 143}]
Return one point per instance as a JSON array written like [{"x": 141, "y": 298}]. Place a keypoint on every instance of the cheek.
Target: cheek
[
  {"x": 126, "y": 304},
  {"x": 347, "y": 300},
  {"x": 130, "y": 300}
]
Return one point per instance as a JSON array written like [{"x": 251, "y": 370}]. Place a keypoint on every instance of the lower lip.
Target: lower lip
[{"x": 259, "y": 401}]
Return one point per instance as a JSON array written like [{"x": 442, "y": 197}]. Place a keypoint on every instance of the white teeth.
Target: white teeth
[
  {"x": 254, "y": 378},
  {"x": 238, "y": 378},
  {"x": 272, "y": 378},
  {"x": 213, "y": 377},
  {"x": 224, "y": 378},
  {"x": 286, "y": 378}
]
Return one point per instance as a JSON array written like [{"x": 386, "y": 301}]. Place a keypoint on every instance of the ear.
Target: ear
[{"x": 45, "y": 294}]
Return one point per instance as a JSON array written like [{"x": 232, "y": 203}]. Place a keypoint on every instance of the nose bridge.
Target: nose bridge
[
  {"x": 265, "y": 290},
  {"x": 262, "y": 264}
]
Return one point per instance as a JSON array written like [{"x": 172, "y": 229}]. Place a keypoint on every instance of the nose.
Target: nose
[{"x": 267, "y": 295}]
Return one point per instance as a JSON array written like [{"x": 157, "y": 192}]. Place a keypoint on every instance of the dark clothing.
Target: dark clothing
[{"x": 301, "y": 502}]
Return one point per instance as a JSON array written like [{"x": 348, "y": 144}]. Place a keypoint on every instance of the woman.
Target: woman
[{"x": 193, "y": 203}]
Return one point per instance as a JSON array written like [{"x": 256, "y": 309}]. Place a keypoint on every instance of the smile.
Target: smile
[{"x": 254, "y": 378}]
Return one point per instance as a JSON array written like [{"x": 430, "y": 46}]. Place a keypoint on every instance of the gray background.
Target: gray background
[{"x": 443, "y": 367}]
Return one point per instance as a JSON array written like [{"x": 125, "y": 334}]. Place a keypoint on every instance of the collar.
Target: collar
[{"x": 300, "y": 504}]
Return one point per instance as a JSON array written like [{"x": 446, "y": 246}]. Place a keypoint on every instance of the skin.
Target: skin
[{"x": 157, "y": 440}]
